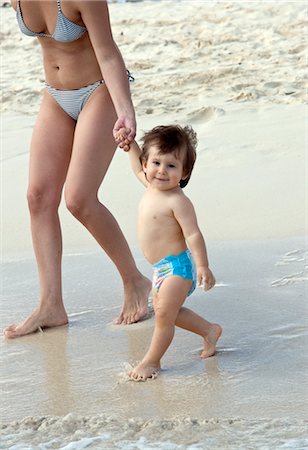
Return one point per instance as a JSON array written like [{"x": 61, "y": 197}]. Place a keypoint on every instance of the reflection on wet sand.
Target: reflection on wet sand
[
  {"x": 47, "y": 357},
  {"x": 187, "y": 385},
  {"x": 78, "y": 369}
]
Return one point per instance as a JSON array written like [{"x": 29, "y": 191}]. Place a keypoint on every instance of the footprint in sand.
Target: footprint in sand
[{"x": 206, "y": 113}]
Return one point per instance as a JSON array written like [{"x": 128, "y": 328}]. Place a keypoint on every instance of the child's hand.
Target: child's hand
[
  {"x": 121, "y": 138},
  {"x": 205, "y": 278}
]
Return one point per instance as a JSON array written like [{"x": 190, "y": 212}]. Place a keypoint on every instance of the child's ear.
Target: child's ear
[{"x": 144, "y": 165}]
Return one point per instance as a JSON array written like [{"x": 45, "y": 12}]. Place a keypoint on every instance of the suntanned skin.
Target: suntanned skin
[
  {"x": 167, "y": 224},
  {"x": 77, "y": 155}
]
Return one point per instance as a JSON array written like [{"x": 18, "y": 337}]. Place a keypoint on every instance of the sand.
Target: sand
[{"x": 235, "y": 72}]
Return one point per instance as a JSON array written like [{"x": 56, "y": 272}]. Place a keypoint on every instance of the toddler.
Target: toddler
[{"x": 170, "y": 239}]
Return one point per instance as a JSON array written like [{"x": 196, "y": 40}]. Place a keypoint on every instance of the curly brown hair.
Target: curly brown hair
[{"x": 181, "y": 141}]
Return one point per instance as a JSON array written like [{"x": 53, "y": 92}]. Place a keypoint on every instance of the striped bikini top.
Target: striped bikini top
[{"x": 65, "y": 31}]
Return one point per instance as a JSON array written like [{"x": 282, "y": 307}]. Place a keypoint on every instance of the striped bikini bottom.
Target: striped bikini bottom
[{"x": 72, "y": 101}]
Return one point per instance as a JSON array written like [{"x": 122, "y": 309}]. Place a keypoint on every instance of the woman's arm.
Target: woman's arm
[{"x": 95, "y": 16}]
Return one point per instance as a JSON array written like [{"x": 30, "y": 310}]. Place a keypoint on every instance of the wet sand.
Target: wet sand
[{"x": 71, "y": 381}]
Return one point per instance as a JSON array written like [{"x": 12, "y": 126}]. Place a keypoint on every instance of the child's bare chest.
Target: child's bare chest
[
  {"x": 156, "y": 217},
  {"x": 155, "y": 212},
  {"x": 159, "y": 232}
]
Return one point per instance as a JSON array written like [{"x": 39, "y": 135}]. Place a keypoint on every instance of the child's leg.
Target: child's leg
[
  {"x": 167, "y": 304},
  {"x": 210, "y": 332}
]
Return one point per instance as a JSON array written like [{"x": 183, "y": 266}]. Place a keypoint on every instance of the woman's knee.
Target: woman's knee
[
  {"x": 41, "y": 199},
  {"x": 77, "y": 204}
]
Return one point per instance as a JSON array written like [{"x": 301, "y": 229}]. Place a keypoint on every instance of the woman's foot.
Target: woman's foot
[
  {"x": 136, "y": 298},
  {"x": 210, "y": 341},
  {"x": 40, "y": 318},
  {"x": 143, "y": 372}
]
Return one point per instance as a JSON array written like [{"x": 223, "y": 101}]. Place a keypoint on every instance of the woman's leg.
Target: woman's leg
[
  {"x": 49, "y": 159},
  {"x": 93, "y": 150}
]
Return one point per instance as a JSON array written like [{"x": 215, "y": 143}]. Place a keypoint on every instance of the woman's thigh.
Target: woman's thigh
[
  {"x": 94, "y": 145},
  {"x": 51, "y": 147}
]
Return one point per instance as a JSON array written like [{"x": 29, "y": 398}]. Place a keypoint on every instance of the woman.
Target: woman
[{"x": 86, "y": 99}]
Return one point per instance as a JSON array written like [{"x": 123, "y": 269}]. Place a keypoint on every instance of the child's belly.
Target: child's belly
[{"x": 157, "y": 246}]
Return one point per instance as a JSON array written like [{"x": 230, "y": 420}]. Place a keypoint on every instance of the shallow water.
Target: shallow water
[
  {"x": 69, "y": 384},
  {"x": 106, "y": 432}
]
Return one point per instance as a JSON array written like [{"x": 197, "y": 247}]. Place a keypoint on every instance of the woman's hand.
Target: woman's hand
[{"x": 124, "y": 132}]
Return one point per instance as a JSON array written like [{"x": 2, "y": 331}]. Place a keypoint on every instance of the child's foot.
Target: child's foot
[
  {"x": 143, "y": 372},
  {"x": 210, "y": 341}
]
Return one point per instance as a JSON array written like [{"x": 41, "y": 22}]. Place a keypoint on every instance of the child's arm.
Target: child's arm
[
  {"x": 134, "y": 155},
  {"x": 134, "y": 152},
  {"x": 185, "y": 215}
]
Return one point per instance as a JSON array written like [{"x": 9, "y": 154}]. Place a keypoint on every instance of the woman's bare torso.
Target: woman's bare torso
[{"x": 67, "y": 65}]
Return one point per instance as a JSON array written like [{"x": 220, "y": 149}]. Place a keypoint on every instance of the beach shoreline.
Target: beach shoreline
[{"x": 244, "y": 391}]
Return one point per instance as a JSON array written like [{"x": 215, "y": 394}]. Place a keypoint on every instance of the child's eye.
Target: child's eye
[
  {"x": 156, "y": 163},
  {"x": 171, "y": 166}
]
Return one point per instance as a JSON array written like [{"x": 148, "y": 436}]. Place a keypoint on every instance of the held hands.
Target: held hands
[
  {"x": 124, "y": 132},
  {"x": 121, "y": 138},
  {"x": 205, "y": 278}
]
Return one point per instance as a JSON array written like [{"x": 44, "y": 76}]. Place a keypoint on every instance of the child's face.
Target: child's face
[{"x": 163, "y": 171}]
